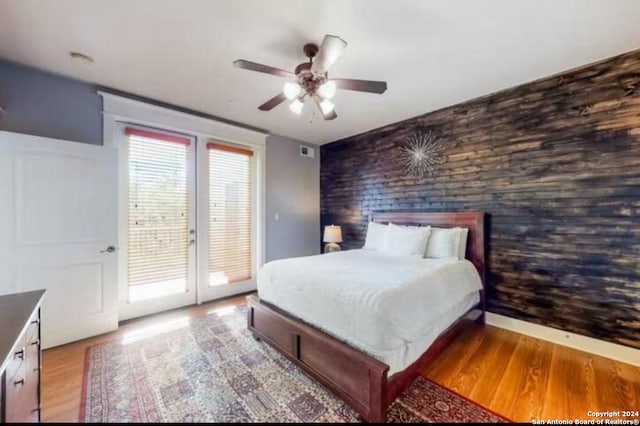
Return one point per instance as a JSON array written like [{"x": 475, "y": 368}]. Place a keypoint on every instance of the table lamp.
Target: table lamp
[{"x": 332, "y": 236}]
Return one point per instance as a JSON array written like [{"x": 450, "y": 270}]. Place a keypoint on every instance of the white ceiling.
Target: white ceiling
[{"x": 432, "y": 53}]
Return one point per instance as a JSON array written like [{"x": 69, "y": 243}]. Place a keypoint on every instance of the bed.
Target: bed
[{"x": 356, "y": 320}]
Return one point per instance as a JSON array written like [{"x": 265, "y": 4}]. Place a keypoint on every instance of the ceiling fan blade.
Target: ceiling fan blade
[
  {"x": 330, "y": 50},
  {"x": 273, "y": 102},
  {"x": 329, "y": 116},
  {"x": 253, "y": 66},
  {"x": 378, "y": 87}
]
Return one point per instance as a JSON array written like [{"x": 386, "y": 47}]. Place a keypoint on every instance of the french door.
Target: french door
[
  {"x": 187, "y": 220},
  {"x": 227, "y": 213}
]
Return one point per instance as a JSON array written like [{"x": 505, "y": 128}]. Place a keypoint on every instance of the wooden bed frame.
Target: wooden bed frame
[{"x": 357, "y": 378}]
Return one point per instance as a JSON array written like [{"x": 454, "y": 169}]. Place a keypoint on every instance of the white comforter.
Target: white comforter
[{"x": 391, "y": 308}]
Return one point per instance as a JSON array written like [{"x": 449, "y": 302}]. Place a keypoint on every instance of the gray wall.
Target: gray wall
[
  {"x": 293, "y": 192},
  {"x": 44, "y": 104}
]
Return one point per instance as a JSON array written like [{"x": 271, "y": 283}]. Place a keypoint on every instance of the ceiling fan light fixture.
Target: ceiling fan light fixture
[
  {"x": 327, "y": 90},
  {"x": 291, "y": 90},
  {"x": 310, "y": 79},
  {"x": 326, "y": 106},
  {"x": 296, "y": 106}
]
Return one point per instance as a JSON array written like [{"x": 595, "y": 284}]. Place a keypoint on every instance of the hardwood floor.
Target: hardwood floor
[
  {"x": 517, "y": 376},
  {"x": 524, "y": 378},
  {"x": 63, "y": 366}
]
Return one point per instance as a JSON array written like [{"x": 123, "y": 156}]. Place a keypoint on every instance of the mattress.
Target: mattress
[{"x": 389, "y": 307}]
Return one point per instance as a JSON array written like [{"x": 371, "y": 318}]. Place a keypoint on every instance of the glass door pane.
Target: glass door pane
[
  {"x": 229, "y": 216},
  {"x": 227, "y": 226},
  {"x": 160, "y": 217}
]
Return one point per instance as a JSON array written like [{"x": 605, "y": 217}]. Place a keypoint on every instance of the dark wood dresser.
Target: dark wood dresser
[{"x": 20, "y": 357}]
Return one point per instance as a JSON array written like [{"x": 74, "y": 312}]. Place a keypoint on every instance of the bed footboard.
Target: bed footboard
[{"x": 356, "y": 378}]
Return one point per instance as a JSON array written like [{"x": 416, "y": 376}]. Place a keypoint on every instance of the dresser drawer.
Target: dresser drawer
[
  {"x": 16, "y": 364},
  {"x": 22, "y": 382},
  {"x": 21, "y": 356},
  {"x": 33, "y": 329},
  {"x": 33, "y": 361},
  {"x": 32, "y": 341},
  {"x": 22, "y": 398}
]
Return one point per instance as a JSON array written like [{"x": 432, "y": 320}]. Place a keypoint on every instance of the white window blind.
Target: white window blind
[
  {"x": 158, "y": 217},
  {"x": 229, "y": 214}
]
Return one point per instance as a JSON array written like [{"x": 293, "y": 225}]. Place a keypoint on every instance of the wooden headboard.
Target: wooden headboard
[{"x": 474, "y": 221}]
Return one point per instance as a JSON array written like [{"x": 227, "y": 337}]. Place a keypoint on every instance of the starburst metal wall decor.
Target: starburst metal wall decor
[{"x": 421, "y": 154}]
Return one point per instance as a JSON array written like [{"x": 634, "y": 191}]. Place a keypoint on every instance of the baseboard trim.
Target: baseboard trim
[{"x": 576, "y": 341}]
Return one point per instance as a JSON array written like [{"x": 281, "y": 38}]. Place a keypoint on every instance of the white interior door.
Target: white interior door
[{"x": 58, "y": 216}]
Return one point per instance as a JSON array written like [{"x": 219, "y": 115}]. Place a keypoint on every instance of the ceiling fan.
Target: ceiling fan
[{"x": 311, "y": 79}]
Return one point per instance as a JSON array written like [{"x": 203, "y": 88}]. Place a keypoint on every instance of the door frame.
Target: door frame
[{"x": 119, "y": 109}]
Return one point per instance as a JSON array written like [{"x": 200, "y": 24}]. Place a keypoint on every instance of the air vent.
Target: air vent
[{"x": 307, "y": 151}]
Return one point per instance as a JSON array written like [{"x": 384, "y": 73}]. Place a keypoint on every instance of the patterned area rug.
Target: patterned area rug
[{"x": 211, "y": 370}]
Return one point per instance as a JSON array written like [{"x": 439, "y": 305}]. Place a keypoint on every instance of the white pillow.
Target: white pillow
[
  {"x": 445, "y": 242},
  {"x": 462, "y": 247},
  {"x": 376, "y": 234},
  {"x": 406, "y": 241}
]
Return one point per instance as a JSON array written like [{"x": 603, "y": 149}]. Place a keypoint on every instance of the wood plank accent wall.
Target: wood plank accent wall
[{"x": 555, "y": 163}]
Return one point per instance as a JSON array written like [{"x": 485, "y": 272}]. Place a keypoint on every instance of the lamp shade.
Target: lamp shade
[
  {"x": 327, "y": 106},
  {"x": 332, "y": 234},
  {"x": 296, "y": 106},
  {"x": 291, "y": 90}
]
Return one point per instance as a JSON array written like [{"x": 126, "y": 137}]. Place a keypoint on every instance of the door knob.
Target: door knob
[{"x": 109, "y": 249}]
